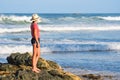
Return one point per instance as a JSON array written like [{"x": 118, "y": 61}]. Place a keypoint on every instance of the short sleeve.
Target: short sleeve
[{"x": 35, "y": 26}]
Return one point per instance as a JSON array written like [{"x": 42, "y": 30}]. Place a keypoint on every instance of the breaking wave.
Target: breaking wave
[
  {"x": 13, "y": 18},
  {"x": 60, "y": 28},
  {"x": 110, "y": 18},
  {"x": 13, "y": 30},
  {"x": 25, "y": 19},
  {"x": 59, "y": 47}
]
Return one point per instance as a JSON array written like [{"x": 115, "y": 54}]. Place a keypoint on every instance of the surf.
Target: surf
[
  {"x": 60, "y": 28},
  {"x": 111, "y": 18}
]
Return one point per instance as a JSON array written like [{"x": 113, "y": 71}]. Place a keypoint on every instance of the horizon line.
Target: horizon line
[{"x": 58, "y": 13}]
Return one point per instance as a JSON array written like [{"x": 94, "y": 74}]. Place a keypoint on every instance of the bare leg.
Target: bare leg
[
  {"x": 34, "y": 59},
  {"x": 38, "y": 55}
]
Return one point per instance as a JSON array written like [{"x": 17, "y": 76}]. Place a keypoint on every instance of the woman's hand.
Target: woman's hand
[{"x": 38, "y": 45}]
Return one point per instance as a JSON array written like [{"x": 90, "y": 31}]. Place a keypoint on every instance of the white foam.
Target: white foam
[
  {"x": 64, "y": 46},
  {"x": 114, "y": 46},
  {"x": 61, "y": 28},
  {"x": 77, "y": 28},
  {"x": 12, "y": 49},
  {"x": 10, "y": 30},
  {"x": 56, "y": 47},
  {"x": 67, "y": 18},
  {"x": 8, "y": 49},
  {"x": 117, "y": 18},
  {"x": 45, "y": 50},
  {"x": 78, "y": 46},
  {"x": 79, "y": 71},
  {"x": 15, "y": 18}
]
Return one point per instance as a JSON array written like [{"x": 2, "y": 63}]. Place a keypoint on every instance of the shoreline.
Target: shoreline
[
  {"x": 89, "y": 74},
  {"x": 97, "y": 75},
  {"x": 19, "y": 67}
]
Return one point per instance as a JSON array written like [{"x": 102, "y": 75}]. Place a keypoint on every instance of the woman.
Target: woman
[{"x": 35, "y": 32}]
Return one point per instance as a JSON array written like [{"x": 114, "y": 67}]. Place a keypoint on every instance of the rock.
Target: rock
[
  {"x": 93, "y": 76},
  {"x": 26, "y": 75},
  {"x": 26, "y": 59},
  {"x": 19, "y": 68},
  {"x": 19, "y": 59}
]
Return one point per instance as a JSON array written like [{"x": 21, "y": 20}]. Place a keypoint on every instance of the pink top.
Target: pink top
[{"x": 34, "y": 26}]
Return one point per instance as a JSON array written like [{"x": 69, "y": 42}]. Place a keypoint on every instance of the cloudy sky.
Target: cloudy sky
[{"x": 60, "y": 6}]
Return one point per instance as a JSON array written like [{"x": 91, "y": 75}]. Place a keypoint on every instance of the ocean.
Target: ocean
[{"x": 78, "y": 42}]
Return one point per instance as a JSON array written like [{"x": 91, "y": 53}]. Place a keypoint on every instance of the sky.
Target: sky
[{"x": 60, "y": 6}]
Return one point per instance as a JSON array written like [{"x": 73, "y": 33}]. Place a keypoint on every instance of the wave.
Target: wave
[
  {"x": 8, "y": 49},
  {"x": 90, "y": 18},
  {"x": 60, "y": 28},
  {"x": 83, "y": 47},
  {"x": 12, "y": 49},
  {"x": 60, "y": 47},
  {"x": 13, "y": 30},
  {"x": 110, "y": 18},
  {"x": 25, "y": 19},
  {"x": 14, "y": 18},
  {"x": 67, "y": 18},
  {"x": 78, "y": 28}
]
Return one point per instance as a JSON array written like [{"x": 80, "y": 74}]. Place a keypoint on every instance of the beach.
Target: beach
[{"x": 80, "y": 43}]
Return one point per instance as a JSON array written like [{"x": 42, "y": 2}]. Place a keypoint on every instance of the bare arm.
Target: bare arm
[{"x": 36, "y": 37}]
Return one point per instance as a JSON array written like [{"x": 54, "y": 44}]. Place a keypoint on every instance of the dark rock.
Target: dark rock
[
  {"x": 8, "y": 67},
  {"x": 26, "y": 59},
  {"x": 19, "y": 68},
  {"x": 26, "y": 75},
  {"x": 19, "y": 59},
  {"x": 92, "y": 76}
]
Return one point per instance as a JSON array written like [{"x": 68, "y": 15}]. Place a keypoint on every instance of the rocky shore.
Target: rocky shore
[{"x": 19, "y": 68}]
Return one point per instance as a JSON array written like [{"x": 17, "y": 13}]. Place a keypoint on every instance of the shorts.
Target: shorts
[{"x": 33, "y": 41}]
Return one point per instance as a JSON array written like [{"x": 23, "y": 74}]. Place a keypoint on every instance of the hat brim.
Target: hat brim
[{"x": 37, "y": 19}]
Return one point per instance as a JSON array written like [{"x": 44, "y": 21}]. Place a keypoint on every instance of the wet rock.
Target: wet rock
[
  {"x": 26, "y": 59},
  {"x": 19, "y": 59},
  {"x": 19, "y": 68},
  {"x": 93, "y": 77}
]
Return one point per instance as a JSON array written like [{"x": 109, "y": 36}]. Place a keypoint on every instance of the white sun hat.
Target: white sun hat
[{"x": 35, "y": 17}]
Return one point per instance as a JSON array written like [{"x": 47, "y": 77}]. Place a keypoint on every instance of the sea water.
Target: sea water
[{"x": 80, "y": 42}]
